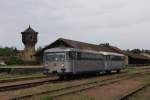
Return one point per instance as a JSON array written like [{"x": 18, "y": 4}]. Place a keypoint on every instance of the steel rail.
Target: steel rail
[
  {"x": 21, "y": 79},
  {"x": 131, "y": 93},
  {"x": 80, "y": 87},
  {"x": 30, "y": 83}
]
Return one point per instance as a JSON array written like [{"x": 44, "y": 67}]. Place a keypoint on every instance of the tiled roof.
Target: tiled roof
[
  {"x": 83, "y": 46},
  {"x": 138, "y": 56}
]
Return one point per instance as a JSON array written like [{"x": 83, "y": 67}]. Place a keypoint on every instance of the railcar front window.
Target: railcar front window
[{"x": 55, "y": 56}]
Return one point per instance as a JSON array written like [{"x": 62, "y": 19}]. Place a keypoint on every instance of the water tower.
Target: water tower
[{"x": 29, "y": 39}]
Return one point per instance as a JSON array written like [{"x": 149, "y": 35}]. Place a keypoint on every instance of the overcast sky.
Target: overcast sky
[{"x": 123, "y": 23}]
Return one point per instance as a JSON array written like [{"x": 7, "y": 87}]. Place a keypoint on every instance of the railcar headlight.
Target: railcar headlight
[
  {"x": 62, "y": 65},
  {"x": 46, "y": 65}
]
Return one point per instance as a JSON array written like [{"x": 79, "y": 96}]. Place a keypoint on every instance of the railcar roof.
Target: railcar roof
[
  {"x": 69, "y": 49},
  {"x": 60, "y": 49},
  {"x": 111, "y": 53},
  {"x": 88, "y": 51}
]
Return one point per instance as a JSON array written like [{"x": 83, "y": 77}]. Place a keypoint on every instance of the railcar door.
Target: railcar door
[
  {"x": 73, "y": 58},
  {"x": 107, "y": 63}
]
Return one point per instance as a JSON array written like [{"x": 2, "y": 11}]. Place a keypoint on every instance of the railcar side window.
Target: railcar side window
[
  {"x": 116, "y": 58},
  {"x": 107, "y": 57},
  {"x": 89, "y": 56},
  {"x": 71, "y": 55}
]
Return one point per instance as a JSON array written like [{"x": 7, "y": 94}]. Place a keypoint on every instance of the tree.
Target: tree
[{"x": 8, "y": 51}]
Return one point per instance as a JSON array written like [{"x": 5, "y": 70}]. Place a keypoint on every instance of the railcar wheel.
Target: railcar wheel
[
  {"x": 61, "y": 77},
  {"x": 69, "y": 77},
  {"x": 108, "y": 71},
  {"x": 118, "y": 71}
]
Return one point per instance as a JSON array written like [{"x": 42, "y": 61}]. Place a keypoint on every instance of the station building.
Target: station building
[
  {"x": 67, "y": 43},
  {"x": 130, "y": 59},
  {"x": 138, "y": 59}
]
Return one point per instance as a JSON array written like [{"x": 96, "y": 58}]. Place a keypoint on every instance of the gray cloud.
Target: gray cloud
[{"x": 124, "y": 23}]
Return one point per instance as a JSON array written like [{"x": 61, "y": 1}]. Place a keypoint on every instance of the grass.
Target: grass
[
  {"x": 77, "y": 96},
  {"x": 54, "y": 86},
  {"x": 5, "y": 76},
  {"x": 49, "y": 86},
  {"x": 82, "y": 97},
  {"x": 145, "y": 95},
  {"x": 142, "y": 95},
  {"x": 22, "y": 66},
  {"x": 133, "y": 69}
]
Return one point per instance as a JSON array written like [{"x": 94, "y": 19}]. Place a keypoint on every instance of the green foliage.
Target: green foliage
[
  {"x": 14, "y": 61},
  {"x": 39, "y": 48},
  {"x": 134, "y": 51},
  {"x": 8, "y": 51},
  {"x": 9, "y": 54}
]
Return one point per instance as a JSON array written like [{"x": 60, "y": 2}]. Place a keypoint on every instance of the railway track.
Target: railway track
[
  {"x": 14, "y": 84},
  {"x": 25, "y": 83},
  {"x": 21, "y": 79},
  {"x": 81, "y": 87},
  {"x": 131, "y": 93},
  {"x": 20, "y": 83},
  {"x": 36, "y": 77}
]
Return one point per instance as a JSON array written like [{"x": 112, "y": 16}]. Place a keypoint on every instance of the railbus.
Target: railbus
[{"x": 66, "y": 62}]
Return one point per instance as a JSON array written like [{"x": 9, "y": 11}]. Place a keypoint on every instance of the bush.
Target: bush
[
  {"x": 14, "y": 61},
  {"x": 8, "y": 51},
  {"x": 47, "y": 98}
]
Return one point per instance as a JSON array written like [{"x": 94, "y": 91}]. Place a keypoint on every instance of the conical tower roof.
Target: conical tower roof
[{"x": 29, "y": 30}]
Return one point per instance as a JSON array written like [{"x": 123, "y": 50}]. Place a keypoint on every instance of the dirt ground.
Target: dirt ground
[
  {"x": 109, "y": 92},
  {"x": 142, "y": 95}
]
